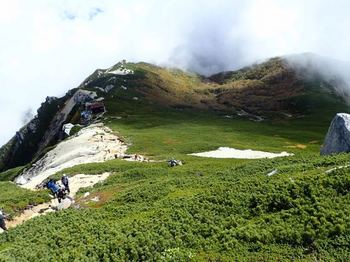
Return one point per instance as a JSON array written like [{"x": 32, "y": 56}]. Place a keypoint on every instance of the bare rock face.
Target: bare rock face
[{"x": 338, "y": 137}]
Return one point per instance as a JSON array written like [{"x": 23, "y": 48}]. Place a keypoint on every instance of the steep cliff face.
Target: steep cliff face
[
  {"x": 51, "y": 135},
  {"x": 44, "y": 130},
  {"x": 21, "y": 149}
]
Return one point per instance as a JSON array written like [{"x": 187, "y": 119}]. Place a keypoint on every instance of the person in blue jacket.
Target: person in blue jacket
[{"x": 55, "y": 189}]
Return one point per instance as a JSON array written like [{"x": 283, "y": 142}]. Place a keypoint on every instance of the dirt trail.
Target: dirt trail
[
  {"x": 76, "y": 182},
  {"x": 95, "y": 143}
]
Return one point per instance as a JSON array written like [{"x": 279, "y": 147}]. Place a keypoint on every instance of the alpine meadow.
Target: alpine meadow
[{"x": 148, "y": 161}]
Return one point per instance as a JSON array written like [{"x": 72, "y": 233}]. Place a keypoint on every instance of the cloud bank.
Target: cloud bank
[{"x": 50, "y": 46}]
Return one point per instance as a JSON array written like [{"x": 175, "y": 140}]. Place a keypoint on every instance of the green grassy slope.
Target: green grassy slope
[
  {"x": 14, "y": 199},
  {"x": 207, "y": 209},
  {"x": 269, "y": 88}
]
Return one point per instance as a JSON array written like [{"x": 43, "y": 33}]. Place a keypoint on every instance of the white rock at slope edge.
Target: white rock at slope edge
[{"x": 338, "y": 136}]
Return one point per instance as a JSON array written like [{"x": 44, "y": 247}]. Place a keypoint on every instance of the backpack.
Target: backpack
[{"x": 52, "y": 186}]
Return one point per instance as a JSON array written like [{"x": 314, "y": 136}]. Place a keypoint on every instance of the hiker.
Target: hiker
[
  {"x": 3, "y": 216},
  {"x": 173, "y": 162},
  {"x": 61, "y": 194},
  {"x": 65, "y": 182}
]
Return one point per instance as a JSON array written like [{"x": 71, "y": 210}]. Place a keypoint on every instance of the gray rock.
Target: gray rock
[
  {"x": 338, "y": 137},
  {"x": 65, "y": 203},
  {"x": 273, "y": 172}
]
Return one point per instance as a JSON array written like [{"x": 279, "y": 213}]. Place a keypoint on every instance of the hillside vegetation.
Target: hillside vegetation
[
  {"x": 207, "y": 209},
  {"x": 14, "y": 199},
  {"x": 271, "y": 89}
]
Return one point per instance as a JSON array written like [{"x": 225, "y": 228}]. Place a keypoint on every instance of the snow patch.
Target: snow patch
[
  {"x": 67, "y": 128},
  {"x": 105, "y": 89},
  {"x": 121, "y": 71},
  {"x": 227, "y": 152}
]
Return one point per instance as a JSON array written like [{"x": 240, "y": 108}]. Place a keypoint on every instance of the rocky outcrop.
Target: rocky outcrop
[
  {"x": 23, "y": 146},
  {"x": 43, "y": 130},
  {"x": 338, "y": 137},
  {"x": 56, "y": 123},
  {"x": 95, "y": 143}
]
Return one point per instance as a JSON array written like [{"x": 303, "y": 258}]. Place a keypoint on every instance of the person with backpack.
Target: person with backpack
[
  {"x": 65, "y": 182},
  {"x": 51, "y": 184},
  {"x": 56, "y": 190},
  {"x": 3, "y": 216}
]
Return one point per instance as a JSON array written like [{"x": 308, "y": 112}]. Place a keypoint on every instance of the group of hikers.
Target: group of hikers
[{"x": 59, "y": 192}]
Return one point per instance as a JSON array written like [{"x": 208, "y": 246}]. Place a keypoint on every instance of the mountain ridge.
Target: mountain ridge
[{"x": 271, "y": 89}]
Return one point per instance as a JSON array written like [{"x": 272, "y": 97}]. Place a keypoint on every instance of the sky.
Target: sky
[{"x": 50, "y": 46}]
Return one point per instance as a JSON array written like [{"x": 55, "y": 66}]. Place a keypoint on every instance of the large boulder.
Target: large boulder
[{"x": 338, "y": 136}]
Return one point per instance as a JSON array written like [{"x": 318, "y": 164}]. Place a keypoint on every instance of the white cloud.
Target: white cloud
[{"x": 50, "y": 46}]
